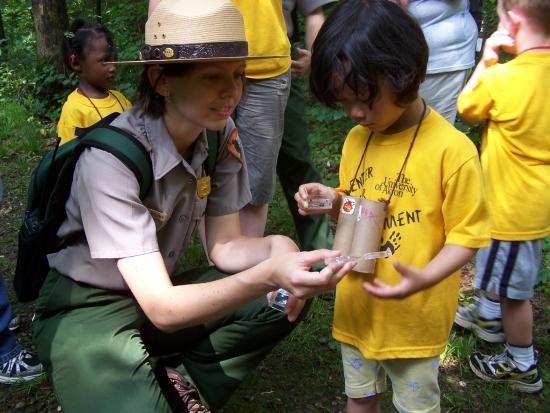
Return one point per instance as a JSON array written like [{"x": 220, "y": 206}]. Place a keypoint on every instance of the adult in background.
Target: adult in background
[
  {"x": 451, "y": 33},
  {"x": 294, "y": 165},
  {"x": 260, "y": 114}
]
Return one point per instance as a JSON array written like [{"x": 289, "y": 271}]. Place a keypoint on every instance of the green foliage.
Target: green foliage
[
  {"x": 474, "y": 132},
  {"x": 127, "y": 23},
  {"x": 543, "y": 279},
  {"x": 328, "y": 130},
  {"x": 490, "y": 18},
  {"x": 18, "y": 133},
  {"x": 458, "y": 348},
  {"x": 50, "y": 91},
  {"x": 193, "y": 256},
  {"x": 12, "y": 84}
]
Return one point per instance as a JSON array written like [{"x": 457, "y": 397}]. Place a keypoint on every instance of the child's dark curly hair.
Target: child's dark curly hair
[
  {"x": 78, "y": 37},
  {"x": 364, "y": 42}
]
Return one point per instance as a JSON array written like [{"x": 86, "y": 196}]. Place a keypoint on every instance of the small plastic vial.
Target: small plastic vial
[
  {"x": 278, "y": 299},
  {"x": 319, "y": 202}
]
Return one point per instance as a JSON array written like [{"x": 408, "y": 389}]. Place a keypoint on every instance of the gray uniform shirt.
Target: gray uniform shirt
[{"x": 106, "y": 219}]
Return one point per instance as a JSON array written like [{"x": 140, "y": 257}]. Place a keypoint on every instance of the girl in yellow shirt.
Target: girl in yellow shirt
[{"x": 87, "y": 49}]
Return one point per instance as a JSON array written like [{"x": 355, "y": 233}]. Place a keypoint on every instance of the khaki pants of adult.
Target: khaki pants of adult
[{"x": 101, "y": 353}]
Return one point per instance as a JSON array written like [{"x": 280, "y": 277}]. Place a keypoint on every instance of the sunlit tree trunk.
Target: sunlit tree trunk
[{"x": 50, "y": 21}]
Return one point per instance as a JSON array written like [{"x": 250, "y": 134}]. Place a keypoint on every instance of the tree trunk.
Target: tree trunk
[{"x": 50, "y": 21}]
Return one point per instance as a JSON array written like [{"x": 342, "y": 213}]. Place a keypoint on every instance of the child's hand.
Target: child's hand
[
  {"x": 499, "y": 39},
  {"x": 301, "y": 65},
  {"x": 315, "y": 198},
  {"x": 412, "y": 280}
]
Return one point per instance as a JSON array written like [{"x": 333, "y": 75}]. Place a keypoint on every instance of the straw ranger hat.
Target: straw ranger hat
[{"x": 181, "y": 31}]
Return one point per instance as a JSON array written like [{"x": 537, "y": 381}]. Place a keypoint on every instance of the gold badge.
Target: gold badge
[
  {"x": 168, "y": 52},
  {"x": 203, "y": 186}
]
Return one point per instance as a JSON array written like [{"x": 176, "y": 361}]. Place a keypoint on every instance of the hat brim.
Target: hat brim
[{"x": 194, "y": 60}]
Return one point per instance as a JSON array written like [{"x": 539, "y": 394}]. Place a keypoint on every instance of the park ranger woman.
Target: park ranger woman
[{"x": 116, "y": 330}]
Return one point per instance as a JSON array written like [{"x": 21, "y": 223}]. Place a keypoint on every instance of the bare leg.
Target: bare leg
[
  {"x": 364, "y": 405},
  {"x": 253, "y": 219},
  {"x": 517, "y": 319}
]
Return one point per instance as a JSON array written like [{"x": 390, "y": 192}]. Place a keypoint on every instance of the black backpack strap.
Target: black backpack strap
[
  {"x": 127, "y": 149},
  {"x": 213, "y": 138}
]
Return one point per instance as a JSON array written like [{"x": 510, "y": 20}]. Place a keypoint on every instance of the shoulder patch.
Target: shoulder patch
[{"x": 234, "y": 146}]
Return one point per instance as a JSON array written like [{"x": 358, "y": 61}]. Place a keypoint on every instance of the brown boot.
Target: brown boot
[{"x": 187, "y": 392}]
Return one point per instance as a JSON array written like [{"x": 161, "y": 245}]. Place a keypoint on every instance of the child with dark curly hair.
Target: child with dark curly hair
[
  {"x": 88, "y": 49},
  {"x": 370, "y": 58}
]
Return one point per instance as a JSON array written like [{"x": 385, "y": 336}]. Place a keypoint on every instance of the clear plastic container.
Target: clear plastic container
[{"x": 278, "y": 299}]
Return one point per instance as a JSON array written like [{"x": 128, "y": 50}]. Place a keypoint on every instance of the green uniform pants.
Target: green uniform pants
[
  {"x": 295, "y": 167},
  {"x": 102, "y": 354}
]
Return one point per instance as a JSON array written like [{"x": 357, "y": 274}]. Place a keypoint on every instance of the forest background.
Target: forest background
[{"x": 303, "y": 374}]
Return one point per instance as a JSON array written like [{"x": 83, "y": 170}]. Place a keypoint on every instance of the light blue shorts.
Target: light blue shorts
[
  {"x": 414, "y": 381},
  {"x": 509, "y": 268},
  {"x": 260, "y": 120}
]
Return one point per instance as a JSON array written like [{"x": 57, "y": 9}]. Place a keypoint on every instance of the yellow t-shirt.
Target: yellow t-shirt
[
  {"x": 78, "y": 112},
  {"x": 515, "y": 155},
  {"x": 439, "y": 200},
  {"x": 265, "y": 31}
]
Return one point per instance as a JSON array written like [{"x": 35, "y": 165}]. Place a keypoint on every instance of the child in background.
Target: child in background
[
  {"x": 370, "y": 57},
  {"x": 87, "y": 48},
  {"x": 513, "y": 98}
]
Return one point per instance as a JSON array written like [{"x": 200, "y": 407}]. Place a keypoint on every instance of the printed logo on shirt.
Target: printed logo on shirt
[
  {"x": 399, "y": 186},
  {"x": 402, "y": 218},
  {"x": 368, "y": 185},
  {"x": 392, "y": 243},
  {"x": 361, "y": 180}
]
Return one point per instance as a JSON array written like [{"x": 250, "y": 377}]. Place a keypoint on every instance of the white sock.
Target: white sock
[
  {"x": 524, "y": 357},
  {"x": 489, "y": 309}
]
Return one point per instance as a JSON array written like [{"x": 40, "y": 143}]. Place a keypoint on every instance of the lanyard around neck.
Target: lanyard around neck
[{"x": 95, "y": 107}]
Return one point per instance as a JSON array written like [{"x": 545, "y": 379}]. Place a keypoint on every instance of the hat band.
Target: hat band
[{"x": 194, "y": 51}]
